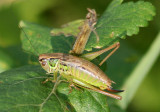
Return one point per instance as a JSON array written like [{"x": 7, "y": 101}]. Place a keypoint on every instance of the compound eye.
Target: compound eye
[{"x": 43, "y": 63}]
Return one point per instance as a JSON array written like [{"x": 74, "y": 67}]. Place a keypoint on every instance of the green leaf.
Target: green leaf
[
  {"x": 70, "y": 29},
  {"x": 37, "y": 40},
  {"x": 120, "y": 20},
  {"x": 115, "y": 108},
  {"x": 22, "y": 90},
  {"x": 115, "y": 23},
  {"x": 85, "y": 100},
  {"x": 114, "y": 4}
]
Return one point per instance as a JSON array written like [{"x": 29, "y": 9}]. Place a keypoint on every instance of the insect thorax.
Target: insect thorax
[
  {"x": 56, "y": 65},
  {"x": 63, "y": 68}
]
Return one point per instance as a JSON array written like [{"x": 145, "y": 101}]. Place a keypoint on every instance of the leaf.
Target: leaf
[
  {"x": 22, "y": 90},
  {"x": 115, "y": 23},
  {"x": 70, "y": 29},
  {"x": 114, "y": 4},
  {"x": 140, "y": 71},
  {"x": 85, "y": 100},
  {"x": 37, "y": 40},
  {"x": 120, "y": 20},
  {"x": 115, "y": 108}
]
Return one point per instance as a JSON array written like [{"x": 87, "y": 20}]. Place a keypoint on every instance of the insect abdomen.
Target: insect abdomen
[
  {"x": 81, "y": 74},
  {"x": 72, "y": 67}
]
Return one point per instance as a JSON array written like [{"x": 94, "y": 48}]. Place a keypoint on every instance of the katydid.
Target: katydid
[{"x": 78, "y": 70}]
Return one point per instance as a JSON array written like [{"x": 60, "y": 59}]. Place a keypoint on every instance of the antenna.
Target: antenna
[{"x": 27, "y": 37}]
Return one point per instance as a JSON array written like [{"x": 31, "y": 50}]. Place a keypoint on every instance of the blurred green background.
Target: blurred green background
[{"x": 54, "y": 13}]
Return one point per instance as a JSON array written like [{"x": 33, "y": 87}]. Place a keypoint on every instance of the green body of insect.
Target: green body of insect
[{"x": 78, "y": 71}]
